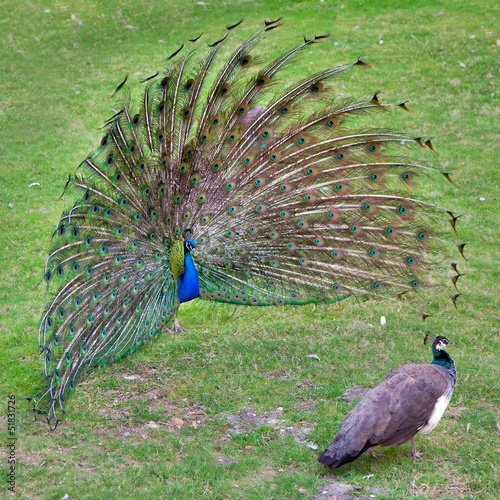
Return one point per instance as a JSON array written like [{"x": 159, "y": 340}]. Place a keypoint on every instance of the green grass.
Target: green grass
[{"x": 58, "y": 69}]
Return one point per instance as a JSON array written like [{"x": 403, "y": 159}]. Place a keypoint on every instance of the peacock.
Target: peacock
[
  {"x": 411, "y": 399},
  {"x": 231, "y": 186}
]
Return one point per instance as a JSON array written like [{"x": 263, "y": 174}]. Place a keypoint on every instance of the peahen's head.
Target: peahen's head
[
  {"x": 189, "y": 246},
  {"x": 441, "y": 342}
]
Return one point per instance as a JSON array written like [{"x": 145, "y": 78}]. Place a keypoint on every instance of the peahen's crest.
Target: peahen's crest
[{"x": 226, "y": 185}]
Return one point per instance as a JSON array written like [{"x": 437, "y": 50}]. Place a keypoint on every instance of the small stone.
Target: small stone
[
  {"x": 178, "y": 422},
  {"x": 249, "y": 447},
  {"x": 126, "y": 434}
]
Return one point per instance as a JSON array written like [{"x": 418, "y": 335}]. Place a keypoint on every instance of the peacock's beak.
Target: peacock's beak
[{"x": 193, "y": 251}]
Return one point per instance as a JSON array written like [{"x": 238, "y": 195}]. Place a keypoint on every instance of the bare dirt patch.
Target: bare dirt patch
[
  {"x": 355, "y": 393},
  {"x": 249, "y": 419}
]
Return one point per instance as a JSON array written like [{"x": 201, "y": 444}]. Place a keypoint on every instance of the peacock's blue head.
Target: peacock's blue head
[{"x": 189, "y": 246}]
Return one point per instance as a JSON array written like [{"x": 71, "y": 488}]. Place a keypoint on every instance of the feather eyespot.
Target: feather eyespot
[
  {"x": 263, "y": 80},
  {"x": 225, "y": 88},
  {"x": 332, "y": 122},
  {"x": 246, "y": 60}
]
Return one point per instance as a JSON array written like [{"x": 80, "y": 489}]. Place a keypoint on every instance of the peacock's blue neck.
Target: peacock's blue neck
[{"x": 187, "y": 282}]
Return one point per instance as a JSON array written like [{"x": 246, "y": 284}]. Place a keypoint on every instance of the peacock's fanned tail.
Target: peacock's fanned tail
[{"x": 286, "y": 200}]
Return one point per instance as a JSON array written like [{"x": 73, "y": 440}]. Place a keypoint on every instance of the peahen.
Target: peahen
[
  {"x": 411, "y": 399},
  {"x": 229, "y": 186}
]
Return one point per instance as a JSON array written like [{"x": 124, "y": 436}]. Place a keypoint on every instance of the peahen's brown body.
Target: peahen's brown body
[
  {"x": 285, "y": 200},
  {"x": 411, "y": 399}
]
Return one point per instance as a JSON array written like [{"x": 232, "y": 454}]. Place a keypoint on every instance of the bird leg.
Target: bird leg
[
  {"x": 176, "y": 329},
  {"x": 414, "y": 451},
  {"x": 371, "y": 451}
]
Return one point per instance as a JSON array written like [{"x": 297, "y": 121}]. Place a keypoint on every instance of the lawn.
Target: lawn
[{"x": 241, "y": 404}]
